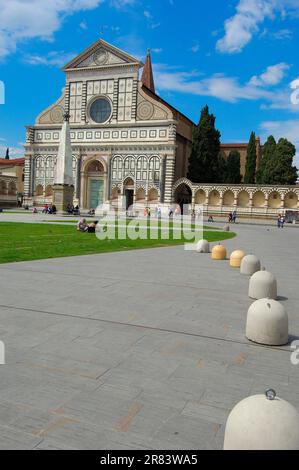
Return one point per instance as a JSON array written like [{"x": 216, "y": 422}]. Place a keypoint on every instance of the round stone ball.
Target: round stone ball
[
  {"x": 219, "y": 252},
  {"x": 203, "y": 246},
  {"x": 258, "y": 423},
  {"x": 262, "y": 285},
  {"x": 250, "y": 264},
  {"x": 226, "y": 228},
  {"x": 267, "y": 323},
  {"x": 236, "y": 258}
]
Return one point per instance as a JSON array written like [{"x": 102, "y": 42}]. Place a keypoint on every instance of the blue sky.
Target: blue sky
[{"x": 238, "y": 56}]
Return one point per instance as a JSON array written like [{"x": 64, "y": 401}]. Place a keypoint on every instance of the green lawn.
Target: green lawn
[{"x": 25, "y": 242}]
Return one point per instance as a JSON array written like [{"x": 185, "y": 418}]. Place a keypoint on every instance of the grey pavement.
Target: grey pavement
[{"x": 138, "y": 350}]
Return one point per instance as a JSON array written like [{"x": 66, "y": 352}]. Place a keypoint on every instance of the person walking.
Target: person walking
[{"x": 234, "y": 216}]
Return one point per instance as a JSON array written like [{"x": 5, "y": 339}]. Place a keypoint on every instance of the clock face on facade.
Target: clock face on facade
[{"x": 100, "y": 110}]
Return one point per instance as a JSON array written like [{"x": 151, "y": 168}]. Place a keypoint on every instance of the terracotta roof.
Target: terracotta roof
[
  {"x": 147, "y": 74},
  {"x": 12, "y": 162}
]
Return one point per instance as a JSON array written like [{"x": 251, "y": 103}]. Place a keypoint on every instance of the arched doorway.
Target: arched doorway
[
  {"x": 243, "y": 199},
  {"x": 259, "y": 199},
  {"x": 274, "y": 201},
  {"x": 291, "y": 201},
  {"x": 183, "y": 196},
  {"x": 95, "y": 184},
  {"x": 129, "y": 192},
  {"x": 228, "y": 198}
]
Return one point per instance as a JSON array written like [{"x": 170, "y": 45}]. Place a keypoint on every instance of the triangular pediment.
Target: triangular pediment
[{"x": 101, "y": 54}]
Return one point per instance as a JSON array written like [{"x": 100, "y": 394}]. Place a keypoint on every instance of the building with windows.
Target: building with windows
[
  {"x": 127, "y": 142},
  {"x": 11, "y": 182}
]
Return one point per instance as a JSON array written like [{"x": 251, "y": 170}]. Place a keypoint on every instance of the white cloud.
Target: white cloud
[
  {"x": 54, "y": 58},
  {"x": 273, "y": 75},
  {"x": 152, "y": 24},
  {"x": 29, "y": 19},
  {"x": 122, "y": 3},
  {"x": 83, "y": 25},
  {"x": 250, "y": 14},
  {"x": 219, "y": 86},
  {"x": 195, "y": 48}
]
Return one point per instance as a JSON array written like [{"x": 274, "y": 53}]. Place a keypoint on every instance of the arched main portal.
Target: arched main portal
[
  {"x": 183, "y": 196},
  {"x": 95, "y": 184}
]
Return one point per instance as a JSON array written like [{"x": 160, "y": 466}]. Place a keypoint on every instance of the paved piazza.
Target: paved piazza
[{"x": 141, "y": 349}]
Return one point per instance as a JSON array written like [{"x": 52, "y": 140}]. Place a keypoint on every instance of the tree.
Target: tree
[
  {"x": 233, "y": 168},
  {"x": 268, "y": 154},
  {"x": 279, "y": 168},
  {"x": 7, "y": 154},
  {"x": 250, "y": 169},
  {"x": 204, "y": 158}
]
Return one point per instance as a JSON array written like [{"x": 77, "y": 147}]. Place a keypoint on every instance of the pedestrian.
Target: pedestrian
[
  {"x": 234, "y": 216},
  {"x": 279, "y": 221},
  {"x": 230, "y": 217}
]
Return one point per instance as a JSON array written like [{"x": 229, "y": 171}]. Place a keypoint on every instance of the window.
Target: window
[{"x": 100, "y": 110}]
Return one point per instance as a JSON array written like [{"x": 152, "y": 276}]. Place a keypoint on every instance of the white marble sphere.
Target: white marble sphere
[
  {"x": 250, "y": 264},
  {"x": 203, "y": 246},
  {"x": 262, "y": 285},
  {"x": 260, "y": 423},
  {"x": 267, "y": 323}
]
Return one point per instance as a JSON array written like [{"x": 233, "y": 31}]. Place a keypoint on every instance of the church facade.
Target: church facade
[{"x": 128, "y": 144}]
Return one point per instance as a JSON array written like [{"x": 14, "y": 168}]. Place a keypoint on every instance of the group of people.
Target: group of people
[
  {"x": 280, "y": 221},
  {"x": 72, "y": 210},
  {"x": 232, "y": 217},
  {"x": 47, "y": 209},
  {"x": 83, "y": 226},
  {"x": 156, "y": 213}
]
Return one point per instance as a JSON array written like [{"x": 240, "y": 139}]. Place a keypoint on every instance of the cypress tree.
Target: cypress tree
[
  {"x": 233, "y": 168},
  {"x": 7, "y": 154},
  {"x": 250, "y": 170},
  {"x": 204, "y": 158},
  {"x": 269, "y": 149},
  {"x": 280, "y": 169}
]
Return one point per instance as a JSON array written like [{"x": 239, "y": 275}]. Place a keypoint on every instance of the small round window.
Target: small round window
[{"x": 100, "y": 110}]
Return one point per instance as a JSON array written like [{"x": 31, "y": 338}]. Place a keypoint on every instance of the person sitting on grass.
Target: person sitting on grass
[
  {"x": 82, "y": 225},
  {"x": 91, "y": 228}
]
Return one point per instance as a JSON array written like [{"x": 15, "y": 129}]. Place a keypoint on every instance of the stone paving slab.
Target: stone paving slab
[{"x": 141, "y": 349}]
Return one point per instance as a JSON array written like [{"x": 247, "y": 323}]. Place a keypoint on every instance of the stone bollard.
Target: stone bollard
[
  {"x": 236, "y": 258},
  {"x": 250, "y": 264},
  {"x": 203, "y": 246},
  {"x": 267, "y": 323},
  {"x": 262, "y": 422},
  {"x": 226, "y": 228},
  {"x": 262, "y": 285},
  {"x": 219, "y": 252}
]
